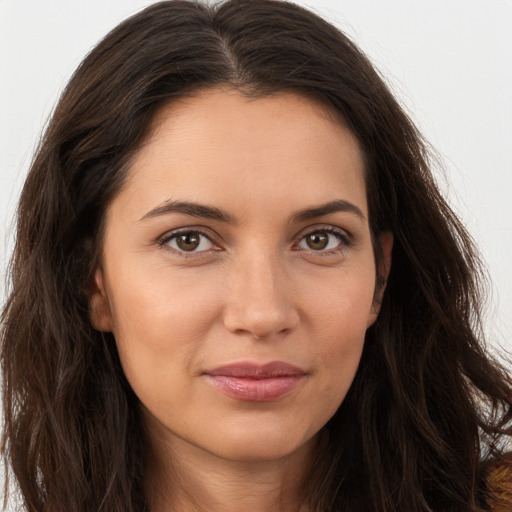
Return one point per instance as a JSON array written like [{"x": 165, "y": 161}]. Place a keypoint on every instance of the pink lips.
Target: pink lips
[{"x": 256, "y": 383}]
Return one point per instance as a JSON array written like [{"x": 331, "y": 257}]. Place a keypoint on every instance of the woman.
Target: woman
[{"x": 237, "y": 287}]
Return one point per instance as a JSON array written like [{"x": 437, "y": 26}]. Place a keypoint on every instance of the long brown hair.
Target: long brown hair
[{"x": 428, "y": 405}]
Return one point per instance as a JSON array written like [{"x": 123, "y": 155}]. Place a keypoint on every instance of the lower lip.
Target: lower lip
[{"x": 256, "y": 390}]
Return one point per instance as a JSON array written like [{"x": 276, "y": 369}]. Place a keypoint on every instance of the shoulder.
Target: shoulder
[{"x": 498, "y": 478}]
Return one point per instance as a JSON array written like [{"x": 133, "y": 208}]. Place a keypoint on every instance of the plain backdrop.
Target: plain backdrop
[{"x": 448, "y": 61}]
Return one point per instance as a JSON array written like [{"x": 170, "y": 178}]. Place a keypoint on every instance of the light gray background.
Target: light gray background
[{"x": 449, "y": 62}]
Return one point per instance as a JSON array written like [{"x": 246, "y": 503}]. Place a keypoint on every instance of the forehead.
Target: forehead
[{"x": 221, "y": 146}]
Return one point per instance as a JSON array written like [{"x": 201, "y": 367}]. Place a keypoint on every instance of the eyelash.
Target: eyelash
[
  {"x": 168, "y": 237},
  {"x": 343, "y": 237}
]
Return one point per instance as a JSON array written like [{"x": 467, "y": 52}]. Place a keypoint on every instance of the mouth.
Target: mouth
[{"x": 256, "y": 383}]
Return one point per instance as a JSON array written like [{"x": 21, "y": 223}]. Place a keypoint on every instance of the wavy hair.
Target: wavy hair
[{"x": 428, "y": 405}]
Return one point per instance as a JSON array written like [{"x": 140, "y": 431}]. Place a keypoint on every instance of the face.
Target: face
[{"x": 238, "y": 273}]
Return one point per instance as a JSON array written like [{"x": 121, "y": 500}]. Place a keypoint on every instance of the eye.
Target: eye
[
  {"x": 188, "y": 241},
  {"x": 324, "y": 240}
]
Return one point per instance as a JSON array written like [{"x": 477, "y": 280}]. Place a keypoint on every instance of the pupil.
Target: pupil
[
  {"x": 318, "y": 241},
  {"x": 188, "y": 242}
]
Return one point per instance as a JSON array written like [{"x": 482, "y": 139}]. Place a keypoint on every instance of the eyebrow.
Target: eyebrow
[
  {"x": 339, "y": 205},
  {"x": 193, "y": 209},
  {"x": 211, "y": 212}
]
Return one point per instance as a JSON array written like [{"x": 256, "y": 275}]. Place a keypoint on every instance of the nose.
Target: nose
[{"x": 260, "y": 299}]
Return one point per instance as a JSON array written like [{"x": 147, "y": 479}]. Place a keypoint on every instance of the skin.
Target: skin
[{"x": 255, "y": 289}]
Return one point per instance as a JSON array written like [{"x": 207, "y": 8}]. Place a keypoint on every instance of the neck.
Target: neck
[{"x": 182, "y": 477}]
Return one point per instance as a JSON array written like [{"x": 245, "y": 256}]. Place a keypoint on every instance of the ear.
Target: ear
[
  {"x": 385, "y": 243},
  {"x": 99, "y": 307}
]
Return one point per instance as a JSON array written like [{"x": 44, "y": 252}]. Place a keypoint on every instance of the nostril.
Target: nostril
[
  {"x": 259, "y": 328},
  {"x": 259, "y": 303}
]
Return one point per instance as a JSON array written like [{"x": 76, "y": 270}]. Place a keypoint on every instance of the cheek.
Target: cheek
[
  {"x": 340, "y": 305},
  {"x": 160, "y": 323},
  {"x": 164, "y": 318},
  {"x": 158, "y": 300},
  {"x": 337, "y": 319},
  {"x": 335, "y": 340}
]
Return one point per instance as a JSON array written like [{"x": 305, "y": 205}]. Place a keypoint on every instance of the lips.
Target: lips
[{"x": 256, "y": 383}]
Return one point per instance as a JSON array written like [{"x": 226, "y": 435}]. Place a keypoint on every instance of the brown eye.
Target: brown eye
[
  {"x": 324, "y": 240},
  {"x": 317, "y": 241},
  {"x": 189, "y": 241}
]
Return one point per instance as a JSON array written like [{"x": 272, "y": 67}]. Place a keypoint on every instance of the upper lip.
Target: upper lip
[{"x": 249, "y": 370}]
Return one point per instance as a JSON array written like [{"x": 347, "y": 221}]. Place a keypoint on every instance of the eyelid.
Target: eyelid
[
  {"x": 346, "y": 239},
  {"x": 163, "y": 240}
]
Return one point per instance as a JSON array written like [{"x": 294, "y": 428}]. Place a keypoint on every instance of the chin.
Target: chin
[{"x": 261, "y": 442}]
